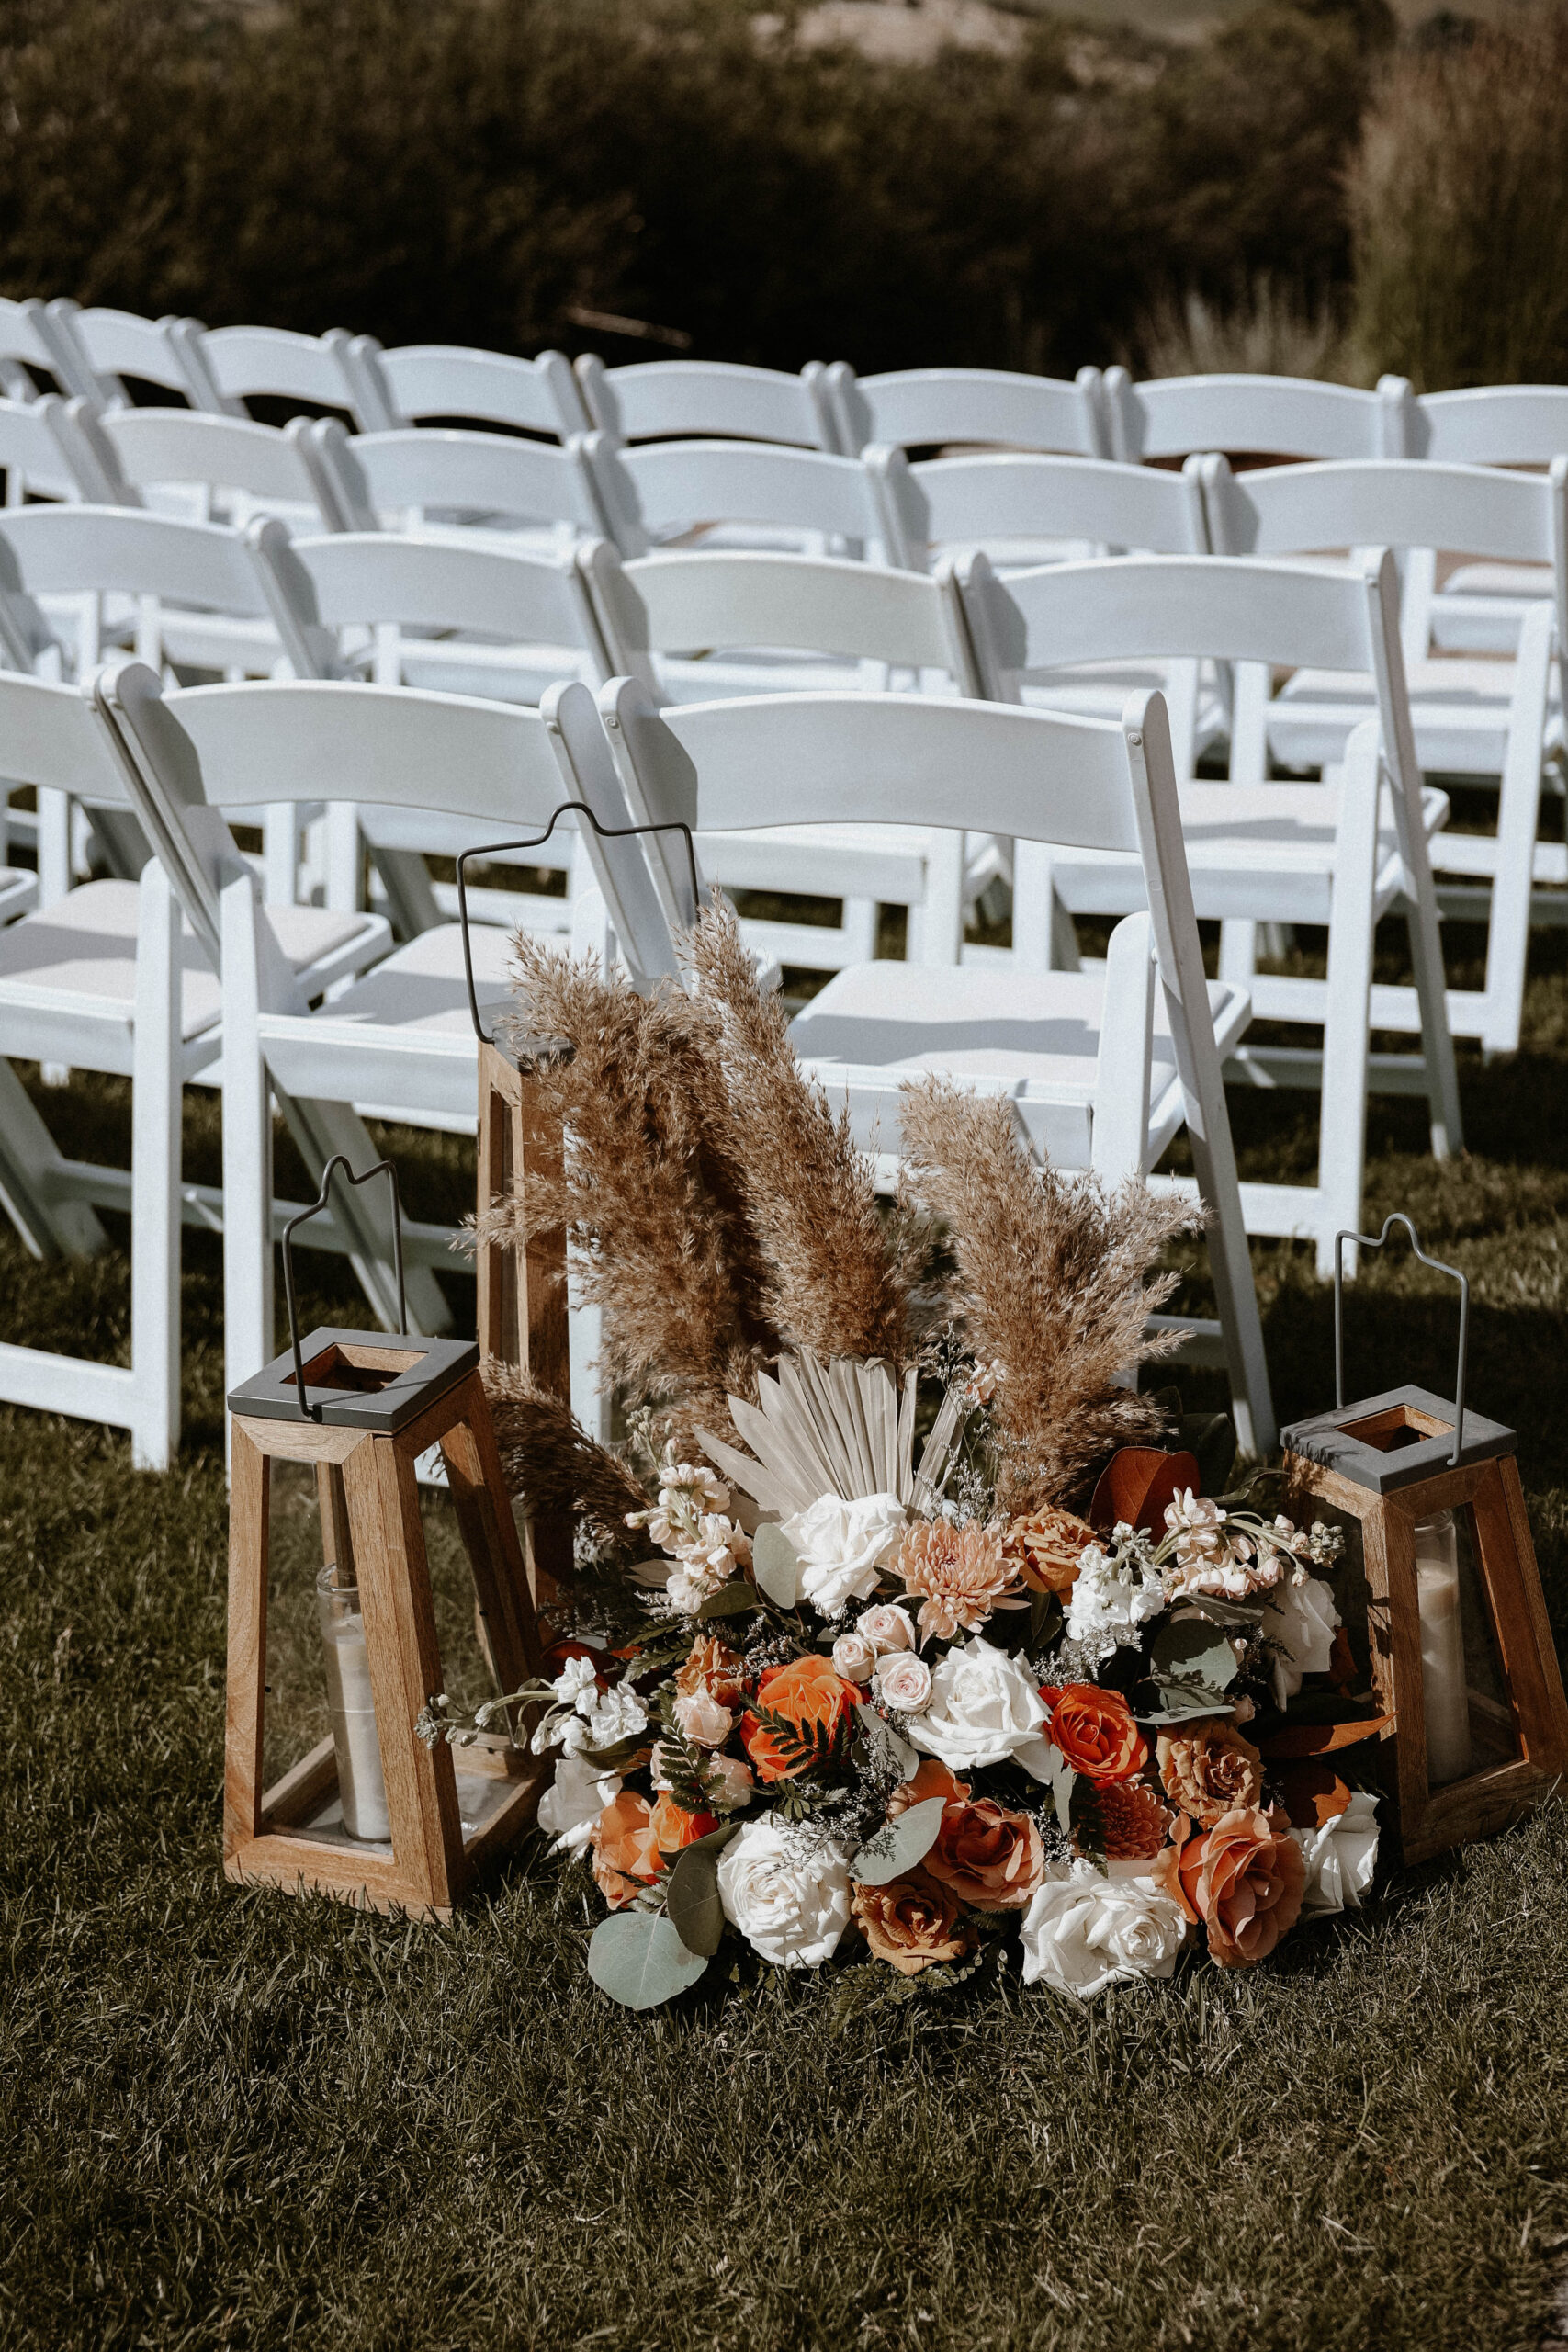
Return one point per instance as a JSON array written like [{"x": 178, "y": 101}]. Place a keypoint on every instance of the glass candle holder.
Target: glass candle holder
[
  {"x": 360, "y": 1784},
  {"x": 1444, "y": 1682}
]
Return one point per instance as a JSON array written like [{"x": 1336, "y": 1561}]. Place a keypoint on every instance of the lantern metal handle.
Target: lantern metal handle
[
  {"x": 338, "y": 1159},
  {"x": 538, "y": 841},
  {"x": 1367, "y": 1242}
]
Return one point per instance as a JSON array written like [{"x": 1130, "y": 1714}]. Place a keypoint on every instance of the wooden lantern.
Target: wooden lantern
[
  {"x": 1460, "y": 1647},
  {"x": 362, "y": 1407}
]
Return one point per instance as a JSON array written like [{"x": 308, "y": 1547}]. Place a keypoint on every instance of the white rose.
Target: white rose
[
  {"x": 841, "y": 1545},
  {"x": 1341, "y": 1858},
  {"x": 1111, "y": 1598},
  {"x": 1082, "y": 1933},
  {"x": 983, "y": 1708},
  {"x": 855, "y": 1657},
  {"x": 573, "y": 1802},
  {"x": 703, "y": 1720},
  {"x": 789, "y": 1897},
  {"x": 905, "y": 1681},
  {"x": 1298, "y": 1624},
  {"x": 736, "y": 1783},
  {"x": 889, "y": 1626}
]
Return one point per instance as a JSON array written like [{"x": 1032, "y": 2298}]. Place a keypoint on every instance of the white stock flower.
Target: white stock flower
[
  {"x": 889, "y": 1626},
  {"x": 688, "y": 1591},
  {"x": 701, "y": 1718},
  {"x": 1113, "y": 1596},
  {"x": 573, "y": 1802},
  {"x": 1341, "y": 1858},
  {"x": 1298, "y": 1624},
  {"x": 842, "y": 1546},
  {"x": 1082, "y": 1933},
  {"x": 903, "y": 1681},
  {"x": 718, "y": 1549},
  {"x": 983, "y": 1708},
  {"x": 855, "y": 1656},
  {"x": 574, "y": 1685},
  {"x": 789, "y": 1896},
  {"x": 620, "y": 1714}
]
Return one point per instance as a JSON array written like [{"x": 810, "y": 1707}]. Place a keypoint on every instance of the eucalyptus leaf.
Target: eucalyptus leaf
[
  {"x": 884, "y": 1743},
  {"x": 736, "y": 1598},
  {"x": 1188, "y": 1649},
  {"x": 775, "y": 1563},
  {"x": 1062, "y": 1777},
  {"x": 1180, "y": 1702},
  {"x": 690, "y": 1893},
  {"x": 638, "y": 1958},
  {"x": 898, "y": 1844}
]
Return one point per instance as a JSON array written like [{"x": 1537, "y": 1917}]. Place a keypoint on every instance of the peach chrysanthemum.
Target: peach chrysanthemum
[
  {"x": 1134, "y": 1822},
  {"x": 960, "y": 1573},
  {"x": 1047, "y": 1545}
]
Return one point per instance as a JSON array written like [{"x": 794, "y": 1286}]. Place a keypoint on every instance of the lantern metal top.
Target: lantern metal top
[
  {"x": 1395, "y": 1439},
  {"x": 357, "y": 1380}
]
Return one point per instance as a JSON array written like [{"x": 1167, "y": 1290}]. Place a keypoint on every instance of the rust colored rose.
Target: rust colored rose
[
  {"x": 931, "y": 1779},
  {"x": 912, "y": 1923},
  {"x": 812, "y": 1699},
  {"x": 673, "y": 1826},
  {"x": 1245, "y": 1880},
  {"x": 1046, "y": 1546},
  {"x": 715, "y": 1667},
  {"x": 991, "y": 1859},
  {"x": 1095, "y": 1731},
  {"x": 1134, "y": 1822},
  {"x": 1208, "y": 1770},
  {"x": 625, "y": 1849}
]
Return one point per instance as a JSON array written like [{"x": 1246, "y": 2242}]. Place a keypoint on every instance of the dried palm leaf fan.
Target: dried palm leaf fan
[{"x": 833, "y": 1426}]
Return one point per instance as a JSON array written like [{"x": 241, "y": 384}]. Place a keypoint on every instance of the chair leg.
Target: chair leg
[
  {"x": 1519, "y": 820},
  {"x": 1342, "y": 1128},
  {"x": 156, "y": 1178},
  {"x": 28, "y": 1156},
  {"x": 247, "y": 1154}
]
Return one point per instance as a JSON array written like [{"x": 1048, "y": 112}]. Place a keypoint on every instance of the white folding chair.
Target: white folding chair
[
  {"x": 739, "y": 493},
  {"x": 106, "y": 979},
  {"x": 659, "y": 399},
  {"x": 218, "y": 469},
  {"x": 402, "y": 1038},
  {"x": 273, "y": 363},
  {"x": 112, "y": 344},
  {"x": 926, "y": 407},
  {"x": 451, "y": 381},
  {"x": 1178, "y": 416},
  {"x": 1480, "y": 720},
  {"x": 1103, "y": 1069},
  {"x": 1481, "y": 605},
  {"x": 30, "y": 338},
  {"x": 1341, "y": 853},
  {"x": 858, "y": 623},
  {"x": 462, "y": 619},
  {"x": 428, "y": 479},
  {"x": 46, "y": 455}
]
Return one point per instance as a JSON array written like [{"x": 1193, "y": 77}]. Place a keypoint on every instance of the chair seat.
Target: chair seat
[
  {"x": 1458, "y": 710},
  {"x": 1033, "y": 1035},
  {"x": 1266, "y": 850},
  {"x": 1480, "y": 606}
]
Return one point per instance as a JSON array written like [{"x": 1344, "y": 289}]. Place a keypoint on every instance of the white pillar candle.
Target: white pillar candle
[
  {"x": 1444, "y": 1692},
  {"x": 353, "y": 1709}
]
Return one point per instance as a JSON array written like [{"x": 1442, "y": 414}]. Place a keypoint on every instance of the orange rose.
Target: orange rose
[
  {"x": 1208, "y": 1770},
  {"x": 812, "y": 1699},
  {"x": 625, "y": 1849},
  {"x": 715, "y": 1667},
  {"x": 1095, "y": 1731},
  {"x": 990, "y": 1858},
  {"x": 1245, "y": 1880},
  {"x": 1046, "y": 1546},
  {"x": 1134, "y": 1822},
  {"x": 673, "y": 1826},
  {"x": 912, "y": 1923}
]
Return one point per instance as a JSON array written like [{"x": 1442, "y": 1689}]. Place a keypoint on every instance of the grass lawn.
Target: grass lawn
[{"x": 231, "y": 2118}]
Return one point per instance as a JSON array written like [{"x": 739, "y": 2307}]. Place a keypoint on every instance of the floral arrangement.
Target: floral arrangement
[{"x": 902, "y": 1639}]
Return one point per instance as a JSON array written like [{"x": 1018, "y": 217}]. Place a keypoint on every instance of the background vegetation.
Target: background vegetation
[{"x": 482, "y": 170}]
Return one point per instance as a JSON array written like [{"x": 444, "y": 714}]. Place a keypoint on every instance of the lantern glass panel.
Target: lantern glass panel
[{"x": 1494, "y": 1730}]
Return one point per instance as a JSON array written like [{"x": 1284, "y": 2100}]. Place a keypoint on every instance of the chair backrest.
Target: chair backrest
[
  {"x": 659, "y": 397},
  {"x": 1282, "y": 415},
  {"x": 202, "y": 751},
  {"x": 44, "y": 452},
  {"x": 1461, "y": 510},
  {"x": 448, "y": 379},
  {"x": 990, "y": 500},
  {"x": 667, "y": 487},
  {"x": 380, "y": 476},
  {"x": 30, "y": 338},
  {"x": 276, "y": 466},
  {"x": 728, "y": 598},
  {"x": 54, "y": 740},
  {"x": 275, "y": 363},
  {"x": 119, "y": 550},
  {"x": 113, "y": 345},
  {"x": 1494, "y": 425},
  {"x": 920, "y": 406},
  {"x": 362, "y": 579}
]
